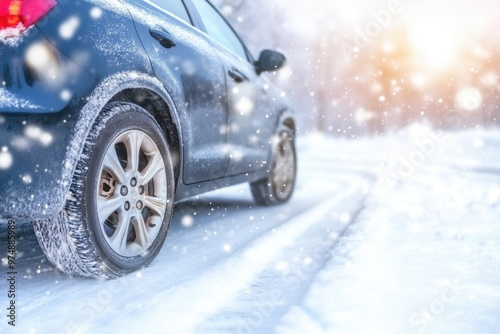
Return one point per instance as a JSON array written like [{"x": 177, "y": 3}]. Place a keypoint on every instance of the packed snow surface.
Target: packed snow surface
[{"x": 395, "y": 234}]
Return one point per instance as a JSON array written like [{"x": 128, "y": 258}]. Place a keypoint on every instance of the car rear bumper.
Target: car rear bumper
[
  {"x": 41, "y": 94},
  {"x": 32, "y": 154}
]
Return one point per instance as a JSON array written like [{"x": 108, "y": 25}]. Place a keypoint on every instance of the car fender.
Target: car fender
[{"x": 46, "y": 195}]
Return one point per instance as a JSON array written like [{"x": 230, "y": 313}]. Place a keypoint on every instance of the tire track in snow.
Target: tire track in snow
[
  {"x": 285, "y": 283},
  {"x": 198, "y": 289},
  {"x": 197, "y": 254},
  {"x": 53, "y": 291},
  {"x": 187, "y": 306}
]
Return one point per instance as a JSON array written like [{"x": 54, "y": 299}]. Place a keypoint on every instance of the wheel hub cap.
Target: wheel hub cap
[{"x": 132, "y": 196}]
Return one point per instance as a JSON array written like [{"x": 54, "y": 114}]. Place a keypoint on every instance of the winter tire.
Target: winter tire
[
  {"x": 119, "y": 207},
  {"x": 278, "y": 187}
]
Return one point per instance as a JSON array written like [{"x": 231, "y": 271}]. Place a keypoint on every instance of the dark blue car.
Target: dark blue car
[{"x": 112, "y": 111}]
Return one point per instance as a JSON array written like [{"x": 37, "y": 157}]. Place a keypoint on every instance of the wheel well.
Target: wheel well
[{"x": 159, "y": 109}]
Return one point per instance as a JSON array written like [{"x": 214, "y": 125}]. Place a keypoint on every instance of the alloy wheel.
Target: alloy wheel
[
  {"x": 283, "y": 175},
  {"x": 132, "y": 193}
]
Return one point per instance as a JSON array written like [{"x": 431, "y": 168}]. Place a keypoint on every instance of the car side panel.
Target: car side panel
[
  {"x": 251, "y": 113},
  {"x": 252, "y": 104},
  {"x": 194, "y": 76},
  {"x": 44, "y": 122},
  {"x": 98, "y": 35}
]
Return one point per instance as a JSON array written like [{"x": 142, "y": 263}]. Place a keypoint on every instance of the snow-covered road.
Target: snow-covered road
[{"x": 398, "y": 234}]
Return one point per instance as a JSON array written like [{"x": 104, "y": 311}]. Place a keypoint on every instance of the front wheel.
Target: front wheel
[
  {"x": 278, "y": 187},
  {"x": 120, "y": 203}
]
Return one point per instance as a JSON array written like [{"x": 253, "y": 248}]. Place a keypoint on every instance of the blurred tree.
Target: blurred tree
[
  {"x": 383, "y": 85},
  {"x": 379, "y": 77}
]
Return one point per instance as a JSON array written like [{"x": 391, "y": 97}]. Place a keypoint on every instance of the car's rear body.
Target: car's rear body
[{"x": 62, "y": 71}]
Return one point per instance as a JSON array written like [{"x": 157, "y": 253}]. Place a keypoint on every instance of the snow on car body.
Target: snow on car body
[{"x": 176, "y": 76}]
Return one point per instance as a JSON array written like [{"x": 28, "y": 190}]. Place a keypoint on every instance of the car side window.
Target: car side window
[
  {"x": 218, "y": 29},
  {"x": 175, "y": 7}
]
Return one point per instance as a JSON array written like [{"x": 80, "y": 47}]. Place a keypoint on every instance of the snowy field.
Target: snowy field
[{"x": 395, "y": 234}]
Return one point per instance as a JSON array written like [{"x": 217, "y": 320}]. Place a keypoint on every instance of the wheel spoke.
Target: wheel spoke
[
  {"x": 287, "y": 154},
  {"x": 118, "y": 240},
  {"x": 281, "y": 169},
  {"x": 154, "y": 166},
  {"x": 106, "y": 206},
  {"x": 156, "y": 204},
  {"x": 134, "y": 144},
  {"x": 112, "y": 164},
  {"x": 279, "y": 182},
  {"x": 141, "y": 231}
]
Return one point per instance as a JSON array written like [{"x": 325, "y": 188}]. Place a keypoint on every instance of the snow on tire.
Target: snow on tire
[{"x": 119, "y": 207}]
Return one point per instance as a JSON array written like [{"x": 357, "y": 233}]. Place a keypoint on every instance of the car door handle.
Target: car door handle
[
  {"x": 165, "y": 39},
  {"x": 237, "y": 76}
]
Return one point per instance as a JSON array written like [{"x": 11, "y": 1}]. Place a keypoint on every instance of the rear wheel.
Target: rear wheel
[
  {"x": 120, "y": 204},
  {"x": 278, "y": 187}
]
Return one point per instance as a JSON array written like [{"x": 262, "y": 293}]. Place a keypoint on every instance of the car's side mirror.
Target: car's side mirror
[{"x": 270, "y": 61}]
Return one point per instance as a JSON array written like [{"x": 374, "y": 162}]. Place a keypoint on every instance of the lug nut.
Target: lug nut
[
  {"x": 124, "y": 191},
  {"x": 133, "y": 182},
  {"x": 127, "y": 206},
  {"x": 139, "y": 205},
  {"x": 141, "y": 190}
]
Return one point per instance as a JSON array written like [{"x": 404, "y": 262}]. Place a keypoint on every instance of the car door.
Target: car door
[
  {"x": 194, "y": 76},
  {"x": 248, "y": 129}
]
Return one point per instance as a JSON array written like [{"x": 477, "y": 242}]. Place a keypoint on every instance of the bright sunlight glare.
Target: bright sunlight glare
[{"x": 434, "y": 44}]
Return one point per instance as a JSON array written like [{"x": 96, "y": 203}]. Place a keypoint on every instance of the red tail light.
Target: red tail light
[{"x": 25, "y": 12}]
